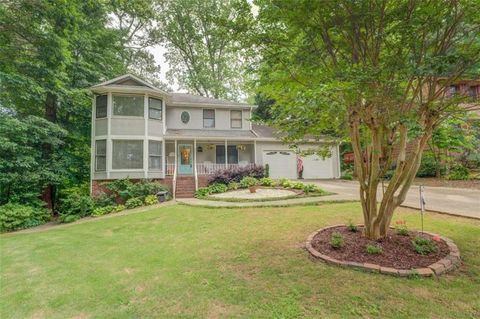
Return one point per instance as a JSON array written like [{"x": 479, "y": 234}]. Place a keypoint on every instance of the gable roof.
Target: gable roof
[{"x": 131, "y": 81}]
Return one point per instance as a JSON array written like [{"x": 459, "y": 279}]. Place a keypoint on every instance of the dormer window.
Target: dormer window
[
  {"x": 128, "y": 105},
  {"x": 101, "y": 106},
  {"x": 208, "y": 118},
  {"x": 155, "y": 109}
]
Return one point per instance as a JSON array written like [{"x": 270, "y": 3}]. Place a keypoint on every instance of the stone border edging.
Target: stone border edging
[{"x": 446, "y": 264}]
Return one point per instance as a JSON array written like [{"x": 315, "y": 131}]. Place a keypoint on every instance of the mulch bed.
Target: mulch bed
[{"x": 397, "y": 250}]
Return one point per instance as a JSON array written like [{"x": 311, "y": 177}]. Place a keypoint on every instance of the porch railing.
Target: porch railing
[
  {"x": 169, "y": 169},
  {"x": 210, "y": 168}
]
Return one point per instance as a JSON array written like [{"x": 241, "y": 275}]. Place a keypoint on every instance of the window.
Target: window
[
  {"x": 101, "y": 106},
  {"x": 128, "y": 105},
  {"x": 100, "y": 155},
  {"x": 235, "y": 119},
  {"x": 154, "y": 155},
  {"x": 452, "y": 90},
  {"x": 155, "y": 109},
  {"x": 127, "y": 154},
  {"x": 232, "y": 154},
  {"x": 185, "y": 117},
  {"x": 208, "y": 118},
  {"x": 473, "y": 92}
]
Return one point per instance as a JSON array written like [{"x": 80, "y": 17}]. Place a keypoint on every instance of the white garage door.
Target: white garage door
[
  {"x": 315, "y": 166},
  {"x": 282, "y": 164}
]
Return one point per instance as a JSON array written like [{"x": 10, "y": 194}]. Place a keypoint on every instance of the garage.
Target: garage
[{"x": 282, "y": 164}]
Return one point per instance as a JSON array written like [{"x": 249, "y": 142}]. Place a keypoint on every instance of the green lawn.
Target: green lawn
[{"x": 179, "y": 261}]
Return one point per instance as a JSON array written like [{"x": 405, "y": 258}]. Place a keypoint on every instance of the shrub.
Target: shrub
[
  {"x": 267, "y": 170},
  {"x": 428, "y": 166},
  {"x": 248, "y": 181},
  {"x": 126, "y": 189},
  {"x": 458, "y": 172},
  {"x": 424, "y": 246},
  {"x": 233, "y": 185},
  {"x": 75, "y": 204},
  {"x": 103, "y": 199},
  {"x": 346, "y": 176},
  {"x": 16, "y": 216},
  {"x": 119, "y": 208},
  {"x": 226, "y": 176},
  {"x": 311, "y": 188},
  {"x": 68, "y": 218},
  {"x": 336, "y": 241},
  {"x": 283, "y": 181},
  {"x": 401, "y": 227},
  {"x": 266, "y": 181},
  {"x": 151, "y": 200},
  {"x": 202, "y": 192},
  {"x": 133, "y": 202},
  {"x": 217, "y": 188},
  {"x": 297, "y": 185},
  {"x": 374, "y": 250},
  {"x": 352, "y": 227},
  {"x": 100, "y": 211}
]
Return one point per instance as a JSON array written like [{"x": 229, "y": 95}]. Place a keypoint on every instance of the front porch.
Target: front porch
[{"x": 192, "y": 157}]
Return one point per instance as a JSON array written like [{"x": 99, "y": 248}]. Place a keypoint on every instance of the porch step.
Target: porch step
[{"x": 185, "y": 187}]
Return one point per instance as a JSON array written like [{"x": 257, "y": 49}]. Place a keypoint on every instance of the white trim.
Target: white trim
[
  {"x": 92, "y": 142},
  {"x": 226, "y": 153},
  {"x": 109, "y": 132},
  {"x": 145, "y": 141},
  {"x": 339, "y": 165},
  {"x": 164, "y": 159},
  {"x": 164, "y": 116},
  {"x": 210, "y": 105},
  {"x": 255, "y": 151},
  {"x": 132, "y": 77}
]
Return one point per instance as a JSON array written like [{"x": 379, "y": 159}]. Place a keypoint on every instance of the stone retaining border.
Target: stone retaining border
[{"x": 446, "y": 264}]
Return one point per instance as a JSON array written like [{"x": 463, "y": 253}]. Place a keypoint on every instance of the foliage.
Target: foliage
[
  {"x": 201, "y": 39},
  {"x": 100, "y": 211},
  {"x": 202, "y": 192},
  {"x": 376, "y": 73},
  {"x": 267, "y": 170},
  {"x": 352, "y": 227},
  {"x": 266, "y": 181},
  {"x": 151, "y": 200},
  {"x": 217, "y": 188},
  {"x": 336, "y": 240},
  {"x": 248, "y": 181},
  {"x": 424, "y": 246},
  {"x": 16, "y": 216},
  {"x": 428, "y": 166},
  {"x": 104, "y": 199},
  {"x": 133, "y": 202},
  {"x": 126, "y": 189},
  {"x": 76, "y": 204},
  {"x": 458, "y": 172},
  {"x": 311, "y": 188},
  {"x": 347, "y": 175},
  {"x": 401, "y": 227},
  {"x": 227, "y": 176},
  {"x": 233, "y": 185},
  {"x": 373, "y": 250}
]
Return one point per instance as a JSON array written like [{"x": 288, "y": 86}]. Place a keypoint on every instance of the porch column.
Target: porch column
[
  {"x": 145, "y": 137},
  {"x": 175, "y": 166},
  {"x": 255, "y": 152},
  {"x": 226, "y": 154},
  {"x": 164, "y": 158},
  {"x": 109, "y": 133},
  {"x": 195, "y": 155}
]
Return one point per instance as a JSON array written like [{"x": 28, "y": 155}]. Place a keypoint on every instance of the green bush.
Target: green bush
[
  {"x": 248, "y": 181},
  {"x": 267, "y": 170},
  {"x": 76, "y": 204},
  {"x": 266, "y": 181},
  {"x": 100, "y": 211},
  {"x": 68, "y": 218},
  {"x": 347, "y": 174},
  {"x": 374, "y": 250},
  {"x": 458, "y": 172},
  {"x": 202, "y": 192},
  {"x": 133, "y": 202},
  {"x": 283, "y": 182},
  {"x": 352, "y": 227},
  {"x": 424, "y": 246},
  {"x": 337, "y": 241},
  {"x": 311, "y": 188},
  {"x": 103, "y": 199},
  {"x": 428, "y": 166},
  {"x": 217, "y": 188},
  {"x": 151, "y": 200},
  {"x": 119, "y": 208},
  {"x": 126, "y": 189},
  {"x": 233, "y": 185},
  {"x": 16, "y": 216}
]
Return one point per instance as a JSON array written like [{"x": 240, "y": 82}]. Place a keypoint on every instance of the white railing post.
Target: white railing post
[{"x": 195, "y": 163}]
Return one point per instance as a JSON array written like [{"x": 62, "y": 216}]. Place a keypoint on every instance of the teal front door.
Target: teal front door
[{"x": 185, "y": 159}]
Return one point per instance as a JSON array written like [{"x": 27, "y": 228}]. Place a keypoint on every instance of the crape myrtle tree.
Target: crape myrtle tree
[{"x": 377, "y": 71}]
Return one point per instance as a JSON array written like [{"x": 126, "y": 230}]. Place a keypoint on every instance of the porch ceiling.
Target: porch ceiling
[{"x": 219, "y": 134}]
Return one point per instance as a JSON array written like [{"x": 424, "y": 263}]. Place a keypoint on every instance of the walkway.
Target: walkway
[{"x": 453, "y": 201}]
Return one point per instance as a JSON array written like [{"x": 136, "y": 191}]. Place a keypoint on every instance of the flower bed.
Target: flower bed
[{"x": 399, "y": 254}]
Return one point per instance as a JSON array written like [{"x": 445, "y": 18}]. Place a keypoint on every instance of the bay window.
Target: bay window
[
  {"x": 128, "y": 105},
  {"x": 100, "y": 155},
  {"x": 101, "y": 106},
  {"x": 127, "y": 154},
  {"x": 154, "y": 155}
]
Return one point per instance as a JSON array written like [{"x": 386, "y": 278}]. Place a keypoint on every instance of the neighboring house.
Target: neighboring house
[{"x": 140, "y": 131}]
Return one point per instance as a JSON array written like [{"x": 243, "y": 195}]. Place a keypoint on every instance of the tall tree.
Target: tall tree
[
  {"x": 202, "y": 42},
  {"x": 377, "y": 69}
]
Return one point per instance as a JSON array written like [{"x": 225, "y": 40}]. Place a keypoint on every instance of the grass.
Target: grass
[{"x": 186, "y": 262}]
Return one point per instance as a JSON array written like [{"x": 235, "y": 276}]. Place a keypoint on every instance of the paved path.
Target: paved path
[{"x": 455, "y": 201}]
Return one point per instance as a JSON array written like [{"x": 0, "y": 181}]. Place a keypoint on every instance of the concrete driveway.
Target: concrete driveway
[{"x": 455, "y": 201}]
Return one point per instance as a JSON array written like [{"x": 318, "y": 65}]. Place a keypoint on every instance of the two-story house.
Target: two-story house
[{"x": 140, "y": 131}]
